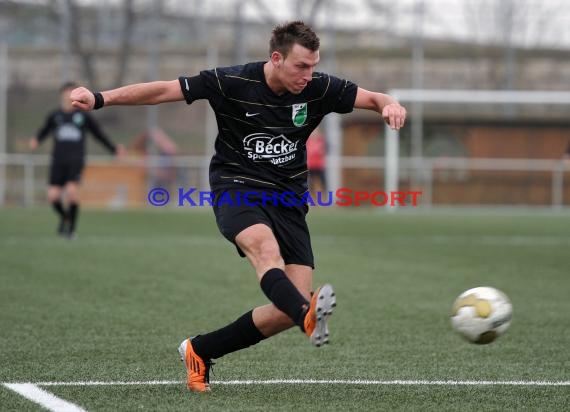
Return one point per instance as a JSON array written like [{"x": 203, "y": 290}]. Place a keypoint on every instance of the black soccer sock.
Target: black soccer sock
[
  {"x": 239, "y": 334},
  {"x": 58, "y": 207},
  {"x": 73, "y": 212},
  {"x": 283, "y": 294}
]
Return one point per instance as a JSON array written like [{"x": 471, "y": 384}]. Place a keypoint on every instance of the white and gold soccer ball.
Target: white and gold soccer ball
[{"x": 481, "y": 314}]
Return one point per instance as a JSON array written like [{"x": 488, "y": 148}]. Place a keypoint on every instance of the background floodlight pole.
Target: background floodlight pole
[
  {"x": 153, "y": 62},
  {"x": 65, "y": 42},
  {"x": 332, "y": 123},
  {"x": 417, "y": 106},
  {"x": 3, "y": 117}
]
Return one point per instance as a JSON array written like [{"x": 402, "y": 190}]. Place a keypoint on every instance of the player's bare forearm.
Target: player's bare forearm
[
  {"x": 366, "y": 99},
  {"x": 393, "y": 113},
  {"x": 144, "y": 93},
  {"x": 134, "y": 94}
]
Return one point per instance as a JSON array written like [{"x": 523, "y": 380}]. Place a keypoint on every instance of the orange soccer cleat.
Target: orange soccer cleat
[
  {"x": 198, "y": 370},
  {"x": 322, "y": 303}
]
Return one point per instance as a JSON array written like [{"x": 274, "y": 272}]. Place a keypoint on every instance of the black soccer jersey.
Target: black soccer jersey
[
  {"x": 261, "y": 136},
  {"x": 69, "y": 130}
]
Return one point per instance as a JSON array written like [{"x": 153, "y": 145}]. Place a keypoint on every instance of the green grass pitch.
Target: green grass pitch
[{"x": 114, "y": 305}]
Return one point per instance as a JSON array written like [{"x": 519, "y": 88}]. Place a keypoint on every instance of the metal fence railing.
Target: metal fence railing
[
  {"x": 477, "y": 181},
  {"x": 443, "y": 181}
]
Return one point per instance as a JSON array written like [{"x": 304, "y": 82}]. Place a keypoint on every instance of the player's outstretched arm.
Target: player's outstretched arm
[
  {"x": 48, "y": 126},
  {"x": 134, "y": 94},
  {"x": 393, "y": 113}
]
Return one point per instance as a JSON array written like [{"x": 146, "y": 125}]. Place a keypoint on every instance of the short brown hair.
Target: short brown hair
[
  {"x": 288, "y": 34},
  {"x": 67, "y": 86}
]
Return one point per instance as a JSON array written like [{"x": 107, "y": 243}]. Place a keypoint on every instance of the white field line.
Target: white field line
[
  {"x": 47, "y": 400},
  {"x": 51, "y": 402},
  {"x": 318, "y": 382}
]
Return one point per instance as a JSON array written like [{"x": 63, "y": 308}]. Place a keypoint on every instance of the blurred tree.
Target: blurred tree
[
  {"x": 86, "y": 51},
  {"x": 512, "y": 24},
  {"x": 127, "y": 29},
  {"x": 307, "y": 10}
]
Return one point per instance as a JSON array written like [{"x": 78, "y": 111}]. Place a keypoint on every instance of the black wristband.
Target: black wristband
[{"x": 99, "y": 101}]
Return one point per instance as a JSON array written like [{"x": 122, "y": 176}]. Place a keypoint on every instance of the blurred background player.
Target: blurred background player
[
  {"x": 68, "y": 126},
  {"x": 316, "y": 163},
  {"x": 165, "y": 173}
]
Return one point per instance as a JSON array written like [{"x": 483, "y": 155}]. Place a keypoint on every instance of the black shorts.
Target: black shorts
[
  {"x": 287, "y": 223},
  {"x": 63, "y": 171}
]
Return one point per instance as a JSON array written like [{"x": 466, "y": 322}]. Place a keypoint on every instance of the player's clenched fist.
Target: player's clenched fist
[
  {"x": 82, "y": 98},
  {"x": 394, "y": 115}
]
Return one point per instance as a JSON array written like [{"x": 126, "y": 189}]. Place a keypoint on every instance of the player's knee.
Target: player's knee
[
  {"x": 268, "y": 252},
  {"x": 265, "y": 256},
  {"x": 72, "y": 192},
  {"x": 53, "y": 195},
  {"x": 73, "y": 198},
  {"x": 261, "y": 249}
]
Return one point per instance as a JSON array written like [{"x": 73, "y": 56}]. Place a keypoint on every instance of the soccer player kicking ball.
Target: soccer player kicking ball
[
  {"x": 265, "y": 113},
  {"x": 69, "y": 125}
]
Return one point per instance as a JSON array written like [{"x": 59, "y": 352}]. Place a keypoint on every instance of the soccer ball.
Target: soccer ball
[{"x": 481, "y": 314}]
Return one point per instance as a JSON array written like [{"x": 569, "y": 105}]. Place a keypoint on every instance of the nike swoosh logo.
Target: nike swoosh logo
[{"x": 248, "y": 114}]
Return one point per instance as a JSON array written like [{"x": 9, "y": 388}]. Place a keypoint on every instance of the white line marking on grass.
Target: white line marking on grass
[
  {"x": 320, "y": 382},
  {"x": 392, "y": 382},
  {"x": 111, "y": 383},
  {"x": 47, "y": 400}
]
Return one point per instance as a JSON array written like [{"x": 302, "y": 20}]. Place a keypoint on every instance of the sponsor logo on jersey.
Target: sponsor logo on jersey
[
  {"x": 68, "y": 133},
  {"x": 299, "y": 114},
  {"x": 263, "y": 147}
]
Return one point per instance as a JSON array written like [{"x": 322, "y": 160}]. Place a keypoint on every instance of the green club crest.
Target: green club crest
[
  {"x": 299, "y": 114},
  {"x": 78, "y": 119}
]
